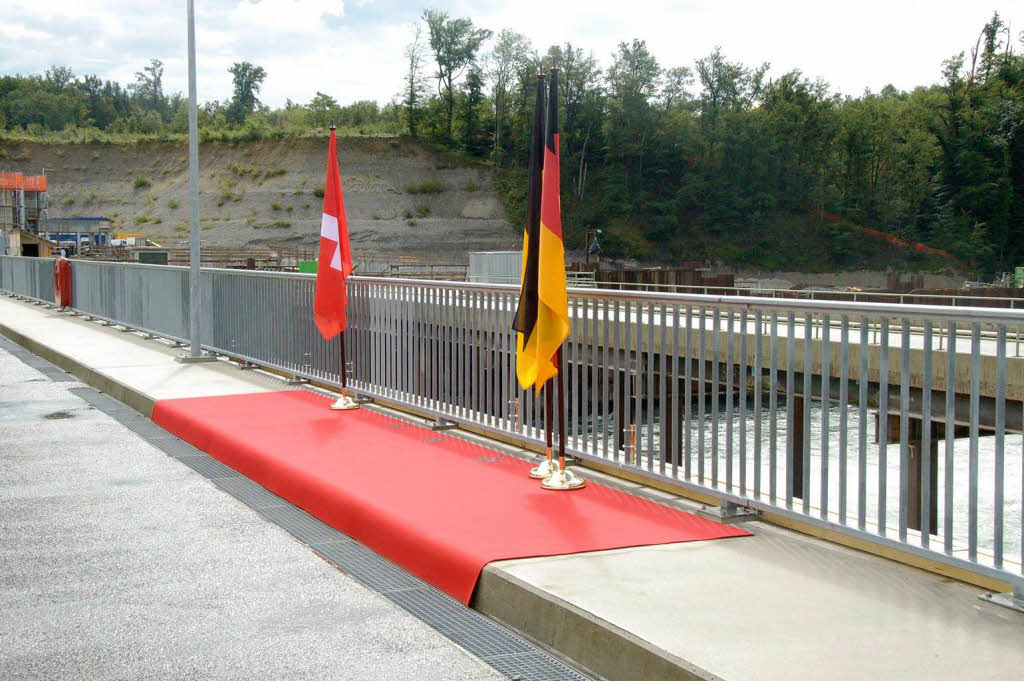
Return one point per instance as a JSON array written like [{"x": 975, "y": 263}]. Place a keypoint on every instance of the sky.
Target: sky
[{"x": 352, "y": 49}]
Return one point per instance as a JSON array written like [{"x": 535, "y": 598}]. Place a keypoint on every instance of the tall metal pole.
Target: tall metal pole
[{"x": 193, "y": 188}]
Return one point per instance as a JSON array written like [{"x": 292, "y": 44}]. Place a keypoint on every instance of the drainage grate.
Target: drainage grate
[
  {"x": 49, "y": 370},
  {"x": 497, "y": 646}
]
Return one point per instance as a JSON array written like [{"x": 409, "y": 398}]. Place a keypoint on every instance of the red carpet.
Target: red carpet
[{"x": 438, "y": 506}]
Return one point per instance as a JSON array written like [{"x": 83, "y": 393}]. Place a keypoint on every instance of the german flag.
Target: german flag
[{"x": 542, "y": 318}]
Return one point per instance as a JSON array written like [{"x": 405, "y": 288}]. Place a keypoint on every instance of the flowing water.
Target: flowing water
[{"x": 650, "y": 441}]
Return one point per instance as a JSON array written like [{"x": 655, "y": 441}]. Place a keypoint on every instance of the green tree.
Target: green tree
[
  {"x": 323, "y": 110},
  {"x": 512, "y": 53},
  {"x": 415, "y": 90},
  {"x": 247, "y": 79},
  {"x": 455, "y": 43}
]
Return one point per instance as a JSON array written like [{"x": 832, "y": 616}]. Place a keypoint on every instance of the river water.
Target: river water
[{"x": 1012, "y": 471}]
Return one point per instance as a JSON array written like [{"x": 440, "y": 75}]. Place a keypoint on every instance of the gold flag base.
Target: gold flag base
[
  {"x": 544, "y": 469},
  {"x": 344, "y": 403},
  {"x": 563, "y": 479}
]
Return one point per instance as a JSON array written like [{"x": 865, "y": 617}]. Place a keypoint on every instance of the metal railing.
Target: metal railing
[
  {"x": 852, "y": 417},
  {"x": 960, "y": 300}
]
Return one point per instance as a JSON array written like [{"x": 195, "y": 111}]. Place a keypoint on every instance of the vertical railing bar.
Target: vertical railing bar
[
  {"x": 701, "y": 452},
  {"x": 947, "y": 511},
  {"x": 649, "y": 397},
  {"x": 883, "y": 424},
  {"x": 862, "y": 427},
  {"x": 790, "y": 406},
  {"x": 729, "y": 347},
  {"x": 904, "y": 501},
  {"x": 663, "y": 448},
  {"x": 688, "y": 395},
  {"x": 617, "y": 407},
  {"x": 844, "y": 412},
  {"x": 773, "y": 409},
  {"x": 1000, "y": 442},
  {"x": 756, "y": 373},
  {"x": 808, "y": 394},
  {"x": 610, "y": 380},
  {"x": 741, "y": 364},
  {"x": 637, "y": 383},
  {"x": 574, "y": 377},
  {"x": 674, "y": 428},
  {"x": 972, "y": 485},
  {"x": 716, "y": 325},
  {"x": 826, "y": 403},
  {"x": 927, "y": 474}
]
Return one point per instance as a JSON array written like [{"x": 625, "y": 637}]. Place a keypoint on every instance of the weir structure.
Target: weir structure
[{"x": 891, "y": 428}]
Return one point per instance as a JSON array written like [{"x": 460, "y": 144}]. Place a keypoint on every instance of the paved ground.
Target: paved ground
[{"x": 118, "y": 562}]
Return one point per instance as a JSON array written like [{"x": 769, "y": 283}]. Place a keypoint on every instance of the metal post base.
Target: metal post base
[
  {"x": 246, "y": 365},
  {"x": 729, "y": 513},
  {"x": 544, "y": 469},
  {"x": 563, "y": 480},
  {"x": 125, "y": 329},
  {"x": 1014, "y": 600},
  {"x": 344, "y": 403},
  {"x": 297, "y": 380},
  {"x": 189, "y": 359},
  {"x": 443, "y": 424}
]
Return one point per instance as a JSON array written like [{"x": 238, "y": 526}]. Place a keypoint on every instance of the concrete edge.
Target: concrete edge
[
  {"x": 611, "y": 653},
  {"x": 133, "y": 398}
]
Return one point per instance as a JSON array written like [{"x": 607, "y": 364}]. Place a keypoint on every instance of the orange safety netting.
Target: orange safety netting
[
  {"x": 35, "y": 183},
  {"x": 12, "y": 181}
]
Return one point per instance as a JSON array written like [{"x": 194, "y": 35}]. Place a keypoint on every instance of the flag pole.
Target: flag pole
[
  {"x": 546, "y": 467},
  {"x": 560, "y": 478},
  {"x": 345, "y": 402}
]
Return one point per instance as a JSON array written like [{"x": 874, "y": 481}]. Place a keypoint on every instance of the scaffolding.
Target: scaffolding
[
  {"x": 12, "y": 201},
  {"x": 35, "y": 203}
]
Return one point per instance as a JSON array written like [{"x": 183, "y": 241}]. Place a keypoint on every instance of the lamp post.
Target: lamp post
[{"x": 196, "y": 353}]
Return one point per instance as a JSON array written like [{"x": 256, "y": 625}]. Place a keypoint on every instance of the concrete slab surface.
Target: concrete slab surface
[
  {"x": 780, "y": 605},
  {"x": 118, "y": 562},
  {"x": 128, "y": 360}
]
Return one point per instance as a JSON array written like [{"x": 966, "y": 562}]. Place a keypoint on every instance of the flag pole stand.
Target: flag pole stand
[
  {"x": 345, "y": 402},
  {"x": 561, "y": 478},
  {"x": 545, "y": 468}
]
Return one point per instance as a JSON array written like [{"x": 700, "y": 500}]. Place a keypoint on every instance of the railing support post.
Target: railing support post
[
  {"x": 916, "y": 489},
  {"x": 798, "y": 447}
]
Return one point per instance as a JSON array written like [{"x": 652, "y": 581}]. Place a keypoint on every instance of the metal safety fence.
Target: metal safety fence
[{"x": 895, "y": 424}]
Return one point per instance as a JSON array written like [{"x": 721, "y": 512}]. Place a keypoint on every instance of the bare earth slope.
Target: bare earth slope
[{"x": 265, "y": 193}]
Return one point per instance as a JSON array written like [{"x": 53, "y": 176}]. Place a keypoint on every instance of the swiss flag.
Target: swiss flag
[{"x": 335, "y": 261}]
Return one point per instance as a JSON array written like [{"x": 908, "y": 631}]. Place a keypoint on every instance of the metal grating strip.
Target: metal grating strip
[
  {"x": 249, "y": 493},
  {"x": 497, "y": 646}
]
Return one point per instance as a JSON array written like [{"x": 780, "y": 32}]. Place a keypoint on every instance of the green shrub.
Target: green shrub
[
  {"x": 142, "y": 181},
  {"x": 180, "y": 228},
  {"x": 70, "y": 201},
  {"x": 142, "y": 219},
  {"x": 318, "y": 191},
  {"x": 472, "y": 186},
  {"x": 172, "y": 203},
  {"x": 282, "y": 224},
  {"x": 422, "y": 210},
  {"x": 275, "y": 171},
  {"x": 428, "y": 187},
  {"x": 276, "y": 205}
]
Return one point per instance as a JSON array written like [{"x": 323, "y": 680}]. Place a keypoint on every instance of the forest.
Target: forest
[{"x": 715, "y": 160}]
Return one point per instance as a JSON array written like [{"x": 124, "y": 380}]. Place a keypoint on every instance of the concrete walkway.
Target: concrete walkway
[
  {"x": 778, "y": 605},
  {"x": 118, "y": 562}
]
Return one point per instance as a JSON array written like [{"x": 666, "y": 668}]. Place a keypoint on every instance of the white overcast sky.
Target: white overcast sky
[{"x": 352, "y": 49}]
